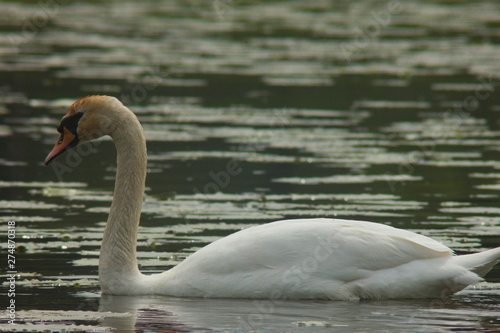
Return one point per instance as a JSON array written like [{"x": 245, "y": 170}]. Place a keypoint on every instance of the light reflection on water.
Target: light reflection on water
[
  {"x": 471, "y": 311},
  {"x": 395, "y": 125},
  {"x": 265, "y": 315}
]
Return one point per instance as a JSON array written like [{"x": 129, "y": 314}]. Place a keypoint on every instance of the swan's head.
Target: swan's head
[{"x": 87, "y": 119}]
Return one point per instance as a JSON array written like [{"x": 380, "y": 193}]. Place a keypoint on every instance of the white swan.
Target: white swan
[{"x": 292, "y": 259}]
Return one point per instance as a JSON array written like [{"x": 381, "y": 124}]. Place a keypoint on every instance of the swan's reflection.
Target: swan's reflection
[{"x": 168, "y": 314}]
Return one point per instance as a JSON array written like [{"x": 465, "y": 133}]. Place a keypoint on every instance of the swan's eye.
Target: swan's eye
[{"x": 60, "y": 129}]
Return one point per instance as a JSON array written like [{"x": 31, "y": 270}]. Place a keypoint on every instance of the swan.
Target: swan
[{"x": 317, "y": 258}]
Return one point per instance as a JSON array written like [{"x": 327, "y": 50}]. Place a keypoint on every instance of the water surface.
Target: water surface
[{"x": 352, "y": 110}]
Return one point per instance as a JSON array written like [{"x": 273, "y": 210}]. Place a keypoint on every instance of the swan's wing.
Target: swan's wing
[
  {"x": 371, "y": 246},
  {"x": 301, "y": 256},
  {"x": 398, "y": 234},
  {"x": 340, "y": 244},
  {"x": 402, "y": 234}
]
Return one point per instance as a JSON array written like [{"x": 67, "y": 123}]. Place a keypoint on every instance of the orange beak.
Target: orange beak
[{"x": 65, "y": 142}]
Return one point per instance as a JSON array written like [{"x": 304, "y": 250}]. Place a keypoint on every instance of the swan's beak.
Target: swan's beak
[{"x": 65, "y": 142}]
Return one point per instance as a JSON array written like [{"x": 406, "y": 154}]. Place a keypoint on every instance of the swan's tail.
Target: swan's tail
[{"x": 479, "y": 263}]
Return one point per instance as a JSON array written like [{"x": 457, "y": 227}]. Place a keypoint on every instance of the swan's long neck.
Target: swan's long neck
[{"x": 118, "y": 261}]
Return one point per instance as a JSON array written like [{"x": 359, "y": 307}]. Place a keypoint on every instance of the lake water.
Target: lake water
[{"x": 386, "y": 111}]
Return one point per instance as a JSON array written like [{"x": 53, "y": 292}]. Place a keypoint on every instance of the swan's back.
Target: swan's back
[{"x": 319, "y": 258}]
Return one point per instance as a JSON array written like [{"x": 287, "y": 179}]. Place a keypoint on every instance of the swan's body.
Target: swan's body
[{"x": 291, "y": 259}]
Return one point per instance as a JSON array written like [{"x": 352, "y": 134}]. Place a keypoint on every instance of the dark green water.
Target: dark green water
[{"x": 384, "y": 111}]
